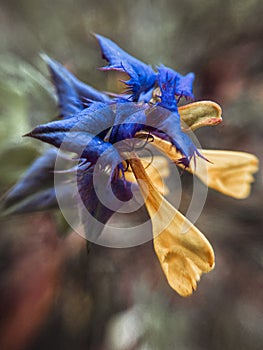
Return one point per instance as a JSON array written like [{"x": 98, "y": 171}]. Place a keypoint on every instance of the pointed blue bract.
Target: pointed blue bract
[
  {"x": 68, "y": 99},
  {"x": 142, "y": 76},
  {"x": 35, "y": 190},
  {"x": 130, "y": 118},
  {"x": 94, "y": 120},
  {"x": 38, "y": 175},
  {"x": 87, "y": 92},
  {"x": 100, "y": 213},
  {"x": 172, "y": 83},
  {"x": 72, "y": 93},
  {"x": 184, "y": 86},
  {"x": 167, "y": 81},
  {"x": 86, "y": 145},
  {"x": 43, "y": 199}
]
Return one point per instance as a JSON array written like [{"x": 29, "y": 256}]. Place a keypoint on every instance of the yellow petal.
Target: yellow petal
[
  {"x": 196, "y": 114},
  {"x": 183, "y": 251},
  {"x": 229, "y": 172},
  {"x": 157, "y": 168},
  {"x": 201, "y": 113}
]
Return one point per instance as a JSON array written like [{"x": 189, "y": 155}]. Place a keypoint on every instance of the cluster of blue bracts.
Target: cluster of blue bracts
[{"x": 91, "y": 122}]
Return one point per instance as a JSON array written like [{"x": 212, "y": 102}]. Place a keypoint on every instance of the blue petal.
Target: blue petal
[{"x": 142, "y": 76}]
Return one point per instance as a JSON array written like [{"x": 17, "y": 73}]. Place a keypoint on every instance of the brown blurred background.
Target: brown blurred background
[{"x": 54, "y": 296}]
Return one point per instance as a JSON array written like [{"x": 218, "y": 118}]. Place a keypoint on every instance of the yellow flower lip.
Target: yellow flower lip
[
  {"x": 198, "y": 114},
  {"x": 228, "y": 172},
  {"x": 183, "y": 256}
]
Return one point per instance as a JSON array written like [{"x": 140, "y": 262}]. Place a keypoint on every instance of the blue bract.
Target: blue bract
[
  {"x": 74, "y": 97},
  {"x": 142, "y": 76}
]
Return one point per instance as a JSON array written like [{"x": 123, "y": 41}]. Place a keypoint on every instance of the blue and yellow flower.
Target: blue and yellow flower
[{"x": 91, "y": 124}]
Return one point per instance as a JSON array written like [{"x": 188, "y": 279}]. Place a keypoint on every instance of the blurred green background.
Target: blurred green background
[{"x": 55, "y": 297}]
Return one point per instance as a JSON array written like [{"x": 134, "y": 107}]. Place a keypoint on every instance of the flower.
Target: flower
[{"x": 105, "y": 132}]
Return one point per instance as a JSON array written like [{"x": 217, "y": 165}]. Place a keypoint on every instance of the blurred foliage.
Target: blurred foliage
[
  {"x": 22, "y": 89},
  {"x": 118, "y": 299}
]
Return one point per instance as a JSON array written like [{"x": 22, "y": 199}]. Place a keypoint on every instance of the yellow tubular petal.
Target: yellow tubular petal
[
  {"x": 183, "y": 251},
  {"x": 201, "y": 113},
  {"x": 166, "y": 148},
  {"x": 229, "y": 172},
  {"x": 157, "y": 168}
]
